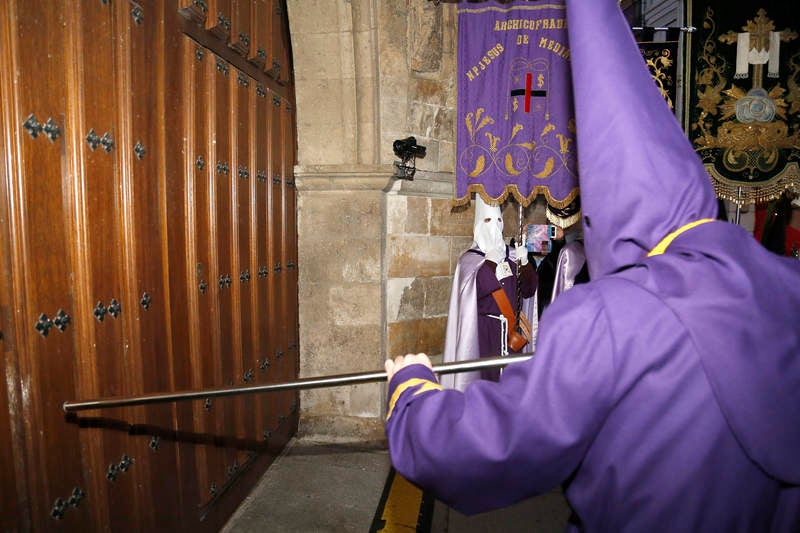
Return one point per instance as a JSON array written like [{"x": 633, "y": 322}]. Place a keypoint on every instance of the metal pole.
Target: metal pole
[
  {"x": 738, "y": 214},
  {"x": 302, "y": 383}
]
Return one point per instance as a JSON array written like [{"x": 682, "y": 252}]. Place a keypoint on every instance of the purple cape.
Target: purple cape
[{"x": 665, "y": 393}]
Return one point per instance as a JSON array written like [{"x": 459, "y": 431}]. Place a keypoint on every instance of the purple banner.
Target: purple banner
[{"x": 516, "y": 127}]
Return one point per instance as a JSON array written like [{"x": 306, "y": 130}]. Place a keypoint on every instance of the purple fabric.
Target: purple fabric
[
  {"x": 633, "y": 155},
  {"x": 571, "y": 259},
  {"x": 665, "y": 393},
  {"x": 514, "y": 130},
  {"x": 618, "y": 401},
  {"x": 470, "y": 333},
  {"x": 489, "y": 338}
]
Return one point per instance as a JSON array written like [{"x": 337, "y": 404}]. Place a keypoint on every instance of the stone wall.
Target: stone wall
[
  {"x": 376, "y": 255},
  {"x": 424, "y": 240}
]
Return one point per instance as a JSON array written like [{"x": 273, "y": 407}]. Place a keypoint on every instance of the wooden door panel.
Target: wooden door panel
[
  {"x": 13, "y": 484},
  {"x": 102, "y": 304},
  {"x": 292, "y": 257},
  {"x": 181, "y": 282},
  {"x": 276, "y": 253},
  {"x": 261, "y": 310},
  {"x": 283, "y": 44},
  {"x": 241, "y": 31},
  {"x": 223, "y": 260},
  {"x": 194, "y": 10},
  {"x": 218, "y": 20},
  {"x": 38, "y": 253},
  {"x": 149, "y": 366},
  {"x": 275, "y": 60},
  {"x": 201, "y": 66},
  {"x": 244, "y": 230},
  {"x": 260, "y": 42}
]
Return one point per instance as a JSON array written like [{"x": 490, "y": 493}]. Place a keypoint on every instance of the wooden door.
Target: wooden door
[{"x": 145, "y": 199}]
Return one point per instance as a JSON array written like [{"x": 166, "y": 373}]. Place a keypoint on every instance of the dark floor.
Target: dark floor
[{"x": 321, "y": 487}]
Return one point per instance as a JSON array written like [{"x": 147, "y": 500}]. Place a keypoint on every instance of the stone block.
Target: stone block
[
  {"x": 451, "y": 222},
  {"x": 393, "y": 18},
  {"x": 318, "y": 16},
  {"x": 393, "y": 115},
  {"x": 333, "y": 400},
  {"x": 316, "y": 147},
  {"x": 324, "y": 263},
  {"x": 395, "y": 88},
  {"x": 330, "y": 428},
  {"x": 427, "y": 91},
  {"x": 424, "y": 37},
  {"x": 320, "y": 105},
  {"x": 420, "y": 118},
  {"x": 430, "y": 162},
  {"x": 366, "y": 400},
  {"x": 356, "y": 304},
  {"x": 437, "y": 296},
  {"x": 341, "y": 350},
  {"x": 444, "y": 124},
  {"x": 417, "y": 215},
  {"x": 405, "y": 299},
  {"x": 447, "y": 157},
  {"x": 319, "y": 55},
  {"x": 417, "y": 256},
  {"x": 332, "y": 218},
  {"x": 396, "y": 213},
  {"x": 392, "y": 57},
  {"x": 314, "y": 316},
  {"x": 414, "y": 336}
]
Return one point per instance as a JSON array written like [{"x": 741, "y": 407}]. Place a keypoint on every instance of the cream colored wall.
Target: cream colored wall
[{"x": 376, "y": 256}]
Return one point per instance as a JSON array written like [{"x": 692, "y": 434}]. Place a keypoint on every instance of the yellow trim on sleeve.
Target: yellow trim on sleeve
[
  {"x": 661, "y": 247},
  {"x": 426, "y": 386}
]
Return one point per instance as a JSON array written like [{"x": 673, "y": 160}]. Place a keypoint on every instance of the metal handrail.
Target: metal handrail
[{"x": 302, "y": 383}]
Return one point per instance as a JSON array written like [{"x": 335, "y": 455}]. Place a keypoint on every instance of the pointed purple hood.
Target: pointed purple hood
[{"x": 640, "y": 179}]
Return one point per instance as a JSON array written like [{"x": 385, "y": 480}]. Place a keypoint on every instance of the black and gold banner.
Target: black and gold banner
[
  {"x": 744, "y": 95},
  {"x": 661, "y": 59}
]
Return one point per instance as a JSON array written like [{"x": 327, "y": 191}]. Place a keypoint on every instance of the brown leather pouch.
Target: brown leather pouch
[{"x": 516, "y": 340}]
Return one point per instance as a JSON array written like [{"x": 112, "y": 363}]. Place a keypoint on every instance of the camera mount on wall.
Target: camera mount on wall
[{"x": 408, "y": 151}]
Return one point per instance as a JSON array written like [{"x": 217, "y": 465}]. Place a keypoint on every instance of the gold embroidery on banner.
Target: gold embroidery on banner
[
  {"x": 659, "y": 65},
  {"x": 499, "y": 144},
  {"x": 748, "y": 127}
]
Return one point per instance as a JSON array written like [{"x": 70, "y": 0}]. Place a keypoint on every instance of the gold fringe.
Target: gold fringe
[
  {"x": 513, "y": 191},
  {"x": 562, "y": 223},
  {"x": 788, "y": 180}
]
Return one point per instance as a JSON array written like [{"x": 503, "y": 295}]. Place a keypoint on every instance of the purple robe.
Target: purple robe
[
  {"x": 665, "y": 393},
  {"x": 470, "y": 332}
]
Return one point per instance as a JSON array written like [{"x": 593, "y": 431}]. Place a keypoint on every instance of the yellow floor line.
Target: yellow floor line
[{"x": 402, "y": 507}]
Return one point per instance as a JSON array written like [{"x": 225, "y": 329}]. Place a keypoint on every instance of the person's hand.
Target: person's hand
[
  {"x": 392, "y": 367},
  {"x": 496, "y": 255},
  {"x": 521, "y": 252}
]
